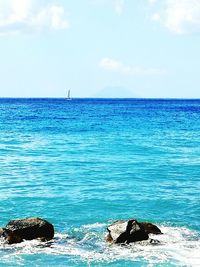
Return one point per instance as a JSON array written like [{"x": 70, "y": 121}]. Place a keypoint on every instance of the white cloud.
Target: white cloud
[
  {"x": 116, "y": 66},
  {"x": 22, "y": 15},
  {"x": 179, "y": 16},
  {"x": 155, "y": 17},
  {"x": 119, "y": 6},
  {"x": 51, "y": 17},
  {"x": 110, "y": 64}
]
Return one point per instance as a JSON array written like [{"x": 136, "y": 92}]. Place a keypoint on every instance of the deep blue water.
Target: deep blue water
[{"x": 82, "y": 164}]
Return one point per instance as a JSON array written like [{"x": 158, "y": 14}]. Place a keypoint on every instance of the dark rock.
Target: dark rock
[
  {"x": 30, "y": 228},
  {"x": 154, "y": 242},
  {"x": 126, "y": 232},
  {"x": 151, "y": 228}
]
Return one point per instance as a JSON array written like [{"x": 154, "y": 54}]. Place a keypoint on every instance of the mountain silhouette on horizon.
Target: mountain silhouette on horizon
[{"x": 115, "y": 92}]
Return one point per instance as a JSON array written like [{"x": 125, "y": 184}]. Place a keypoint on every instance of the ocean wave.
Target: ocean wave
[{"x": 178, "y": 246}]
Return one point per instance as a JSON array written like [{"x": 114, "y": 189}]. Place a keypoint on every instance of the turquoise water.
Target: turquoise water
[{"x": 82, "y": 164}]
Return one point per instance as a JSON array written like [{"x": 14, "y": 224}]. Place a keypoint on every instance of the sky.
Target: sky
[{"x": 100, "y": 48}]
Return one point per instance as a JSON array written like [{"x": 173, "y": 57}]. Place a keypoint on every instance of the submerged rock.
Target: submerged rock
[
  {"x": 30, "y": 228},
  {"x": 130, "y": 231}
]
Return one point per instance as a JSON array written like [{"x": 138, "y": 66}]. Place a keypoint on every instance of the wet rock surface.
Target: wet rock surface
[
  {"x": 27, "y": 229},
  {"x": 119, "y": 232},
  {"x": 130, "y": 231},
  {"x": 151, "y": 228}
]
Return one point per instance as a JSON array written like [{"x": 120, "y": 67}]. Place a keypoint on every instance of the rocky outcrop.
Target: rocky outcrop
[
  {"x": 120, "y": 231},
  {"x": 130, "y": 231},
  {"x": 27, "y": 229},
  {"x": 151, "y": 228}
]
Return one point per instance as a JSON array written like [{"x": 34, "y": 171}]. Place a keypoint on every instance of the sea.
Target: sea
[{"x": 85, "y": 163}]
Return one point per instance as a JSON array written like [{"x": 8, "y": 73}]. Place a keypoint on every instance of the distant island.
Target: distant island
[{"x": 115, "y": 92}]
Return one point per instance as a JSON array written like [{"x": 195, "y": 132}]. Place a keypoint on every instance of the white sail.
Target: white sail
[{"x": 68, "y": 95}]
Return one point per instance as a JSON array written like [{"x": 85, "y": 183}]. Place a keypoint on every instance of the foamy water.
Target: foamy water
[
  {"x": 84, "y": 163},
  {"x": 178, "y": 246}
]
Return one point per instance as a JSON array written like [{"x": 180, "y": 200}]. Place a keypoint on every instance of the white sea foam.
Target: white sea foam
[
  {"x": 178, "y": 246},
  {"x": 94, "y": 225}
]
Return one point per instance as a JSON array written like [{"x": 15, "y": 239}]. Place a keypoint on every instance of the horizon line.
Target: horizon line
[{"x": 105, "y": 98}]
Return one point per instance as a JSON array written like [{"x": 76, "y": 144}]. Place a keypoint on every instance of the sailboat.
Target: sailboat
[{"x": 68, "y": 95}]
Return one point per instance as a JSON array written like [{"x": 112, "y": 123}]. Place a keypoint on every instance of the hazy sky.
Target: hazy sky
[{"x": 148, "y": 47}]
